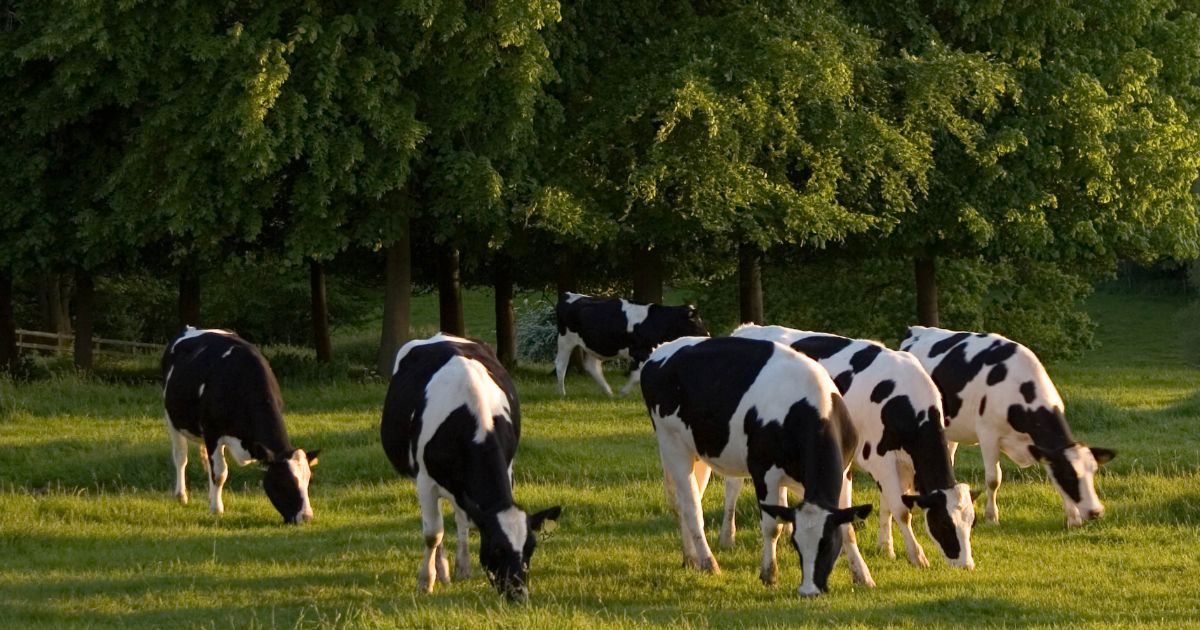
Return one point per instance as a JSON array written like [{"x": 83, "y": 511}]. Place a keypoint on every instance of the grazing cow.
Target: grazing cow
[
  {"x": 897, "y": 414},
  {"x": 996, "y": 393},
  {"x": 219, "y": 391},
  {"x": 607, "y": 328},
  {"x": 451, "y": 421},
  {"x": 758, "y": 409}
]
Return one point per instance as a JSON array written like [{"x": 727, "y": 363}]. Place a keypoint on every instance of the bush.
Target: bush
[
  {"x": 537, "y": 331},
  {"x": 1188, "y": 322}
]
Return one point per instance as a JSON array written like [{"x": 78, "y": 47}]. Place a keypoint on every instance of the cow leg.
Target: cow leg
[
  {"x": 218, "y": 472},
  {"x": 431, "y": 529},
  {"x": 592, "y": 366},
  {"x": 179, "y": 452},
  {"x": 858, "y": 566},
  {"x": 771, "y": 491},
  {"x": 885, "y": 528},
  {"x": 635, "y": 375},
  {"x": 703, "y": 472},
  {"x": 989, "y": 447},
  {"x": 679, "y": 466},
  {"x": 733, "y": 487},
  {"x": 890, "y": 503},
  {"x": 951, "y": 449},
  {"x": 561, "y": 361},
  {"x": 462, "y": 555}
]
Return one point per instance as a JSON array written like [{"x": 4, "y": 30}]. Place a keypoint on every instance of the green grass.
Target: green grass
[{"x": 90, "y": 535}]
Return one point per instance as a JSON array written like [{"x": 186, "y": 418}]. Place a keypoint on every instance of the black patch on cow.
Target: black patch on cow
[
  {"x": 997, "y": 374},
  {"x": 982, "y": 405},
  {"x": 954, "y": 371},
  {"x": 1063, "y": 472},
  {"x": 941, "y": 525},
  {"x": 817, "y": 347},
  {"x": 844, "y": 381},
  {"x": 604, "y": 329},
  {"x": 883, "y": 390},
  {"x": 1045, "y": 426},
  {"x": 1029, "y": 391},
  {"x": 947, "y": 343},
  {"x": 866, "y": 452},
  {"x": 922, "y": 436},
  {"x": 865, "y": 357}
]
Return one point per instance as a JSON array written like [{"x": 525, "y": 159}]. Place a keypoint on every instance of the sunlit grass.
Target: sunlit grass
[{"x": 90, "y": 536}]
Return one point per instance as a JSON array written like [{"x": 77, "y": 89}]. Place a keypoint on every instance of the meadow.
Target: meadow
[{"x": 90, "y": 535}]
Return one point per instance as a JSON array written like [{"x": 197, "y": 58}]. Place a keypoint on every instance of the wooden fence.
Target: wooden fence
[{"x": 55, "y": 343}]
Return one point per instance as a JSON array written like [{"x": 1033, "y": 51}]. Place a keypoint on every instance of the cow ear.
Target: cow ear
[
  {"x": 1103, "y": 455},
  {"x": 537, "y": 520},
  {"x": 780, "y": 512},
  {"x": 910, "y": 500},
  {"x": 263, "y": 454},
  {"x": 313, "y": 457},
  {"x": 1038, "y": 453},
  {"x": 841, "y": 517},
  {"x": 974, "y": 495}
]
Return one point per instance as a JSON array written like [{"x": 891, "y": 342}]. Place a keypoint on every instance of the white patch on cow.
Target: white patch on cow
[
  {"x": 664, "y": 351},
  {"x": 192, "y": 332},
  {"x": 201, "y": 392},
  {"x": 571, "y": 297},
  {"x": 962, "y": 514},
  {"x": 298, "y": 465},
  {"x": 236, "y": 449},
  {"x": 228, "y": 352},
  {"x": 515, "y": 527},
  {"x": 785, "y": 371},
  {"x": 167, "y": 380},
  {"x": 1084, "y": 463},
  {"x": 462, "y": 381},
  {"x": 634, "y": 314},
  {"x": 807, "y": 528},
  {"x": 415, "y": 343}
]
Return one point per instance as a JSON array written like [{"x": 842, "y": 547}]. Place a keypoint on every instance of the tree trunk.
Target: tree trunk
[
  {"x": 397, "y": 311},
  {"x": 506, "y": 321},
  {"x": 85, "y": 293},
  {"x": 52, "y": 300},
  {"x": 927, "y": 299},
  {"x": 750, "y": 296},
  {"x": 8, "y": 325},
  {"x": 450, "y": 306},
  {"x": 189, "y": 298},
  {"x": 320, "y": 312},
  {"x": 647, "y": 275},
  {"x": 564, "y": 276}
]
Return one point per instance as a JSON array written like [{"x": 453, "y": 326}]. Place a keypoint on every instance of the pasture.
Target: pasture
[{"x": 91, "y": 536}]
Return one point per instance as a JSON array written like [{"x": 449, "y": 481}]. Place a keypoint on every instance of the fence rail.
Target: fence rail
[{"x": 57, "y": 343}]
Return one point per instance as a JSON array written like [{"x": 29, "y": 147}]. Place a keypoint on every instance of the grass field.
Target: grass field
[{"x": 90, "y": 535}]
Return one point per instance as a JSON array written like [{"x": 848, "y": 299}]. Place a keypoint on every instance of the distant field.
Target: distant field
[{"x": 90, "y": 535}]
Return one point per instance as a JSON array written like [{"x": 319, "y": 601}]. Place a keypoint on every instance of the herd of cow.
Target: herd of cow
[{"x": 786, "y": 408}]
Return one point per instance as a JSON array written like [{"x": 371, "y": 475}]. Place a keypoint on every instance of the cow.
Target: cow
[
  {"x": 897, "y": 415},
  {"x": 608, "y": 328},
  {"x": 758, "y": 409},
  {"x": 218, "y": 390},
  {"x": 996, "y": 393},
  {"x": 451, "y": 421}
]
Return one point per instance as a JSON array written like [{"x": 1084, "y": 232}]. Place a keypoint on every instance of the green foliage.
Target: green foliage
[
  {"x": 537, "y": 331},
  {"x": 1033, "y": 303}
]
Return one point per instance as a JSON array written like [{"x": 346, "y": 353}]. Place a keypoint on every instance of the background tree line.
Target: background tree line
[{"x": 844, "y": 166}]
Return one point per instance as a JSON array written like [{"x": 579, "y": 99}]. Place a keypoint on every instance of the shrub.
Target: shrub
[{"x": 537, "y": 331}]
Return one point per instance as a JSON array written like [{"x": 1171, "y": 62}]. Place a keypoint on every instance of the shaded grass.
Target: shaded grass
[{"x": 90, "y": 535}]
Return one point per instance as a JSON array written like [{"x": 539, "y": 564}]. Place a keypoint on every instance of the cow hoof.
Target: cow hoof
[
  {"x": 769, "y": 577},
  {"x": 919, "y": 561},
  {"x": 888, "y": 551},
  {"x": 424, "y": 586},
  {"x": 182, "y": 498},
  {"x": 709, "y": 565},
  {"x": 462, "y": 571},
  {"x": 726, "y": 540}
]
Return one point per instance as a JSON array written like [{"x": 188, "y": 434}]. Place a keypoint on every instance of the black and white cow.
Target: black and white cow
[
  {"x": 758, "y": 409},
  {"x": 897, "y": 414},
  {"x": 452, "y": 421},
  {"x": 608, "y": 328},
  {"x": 219, "y": 391},
  {"x": 996, "y": 393}
]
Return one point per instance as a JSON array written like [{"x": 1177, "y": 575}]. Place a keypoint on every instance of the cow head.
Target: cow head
[
  {"x": 1073, "y": 471},
  {"x": 686, "y": 324},
  {"x": 506, "y": 544},
  {"x": 949, "y": 517},
  {"x": 286, "y": 482},
  {"x": 817, "y": 537}
]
